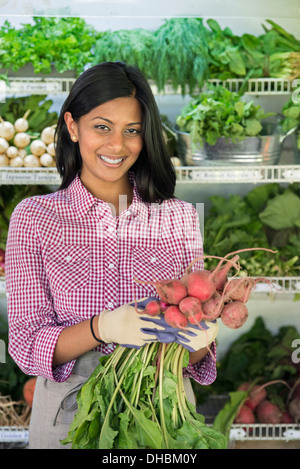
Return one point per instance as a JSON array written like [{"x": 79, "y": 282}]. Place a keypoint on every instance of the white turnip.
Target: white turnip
[
  {"x": 22, "y": 124},
  {"x": 38, "y": 147},
  {"x": 48, "y": 134},
  {"x": 7, "y": 130}
]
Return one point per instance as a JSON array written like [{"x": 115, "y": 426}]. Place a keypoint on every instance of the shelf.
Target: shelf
[
  {"x": 236, "y": 174},
  {"x": 259, "y": 431},
  {"x": 58, "y": 85},
  {"x": 255, "y": 86},
  {"x": 47, "y": 176},
  {"x": 35, "y": 85},
  {"x": 14, "y": 435},
  {"x": 283, "y": 285},
  {"x": 185, "y": 174}
]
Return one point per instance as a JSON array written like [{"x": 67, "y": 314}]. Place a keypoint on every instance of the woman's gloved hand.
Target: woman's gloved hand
[
  {"x": 192, "y": 337},
  {"x": 126, "y": 327},
  {"x": 131, "y": 329}
]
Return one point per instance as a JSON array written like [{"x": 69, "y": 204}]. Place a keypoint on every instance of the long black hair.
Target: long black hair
[{"x": 154, "y": 172}]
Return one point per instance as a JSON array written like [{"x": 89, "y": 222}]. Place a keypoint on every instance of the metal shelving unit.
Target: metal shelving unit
[
  {"x": 185, "y": 174},
  {"x": 58, "y": 85},
  {"x": 15, "y": 436},
  {"x": 230, "y": 174},
  {"x": 283, "y": 285}
]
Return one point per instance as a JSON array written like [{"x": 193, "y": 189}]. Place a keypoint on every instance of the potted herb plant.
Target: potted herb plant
[{"x": 227, "y": 129}]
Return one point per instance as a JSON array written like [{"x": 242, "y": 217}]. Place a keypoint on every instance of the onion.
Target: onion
[
  {"x": 3, "y": 145},
  {"x": 38, "y": 147},
  {"x": 51, "y": 148},
  {"x": 7, "y": 130},
  {"x": 46, "y": 160},
  {"x": 4, "y": 161},
  {"x": 47, "y": 134},
  {"x": 17, "y": 162},
  {"x": 31, "y": 161},
  {"x": 22, "y": 140},
  {"x": 21, "y": 124},
  {"x": 12, "y": 152}
]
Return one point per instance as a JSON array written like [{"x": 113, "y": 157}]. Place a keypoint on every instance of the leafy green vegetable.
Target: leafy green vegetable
[
  {"x": 131, "y": 402},
  {"x": 180, "y": 54},
  {"x": 236, "y": 222},
  {"x": 257, "y": 355},
  {"x": 218, "y": 113},
  {"x": 291, "y": 119},
  {"x": 134, "y": 47},
  {"x": 283, "y": 211},
  {"x": 65, "y": 42},
  {"x": 226, "y": 416}
]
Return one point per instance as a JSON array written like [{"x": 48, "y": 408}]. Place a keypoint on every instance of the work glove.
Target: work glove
[
  {"x": 125, "y": 326},
  {"x": 191, "y": 338}
]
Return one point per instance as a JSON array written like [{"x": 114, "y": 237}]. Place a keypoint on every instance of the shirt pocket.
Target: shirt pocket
[
  {"x": 150, "y": 265},
  {"x": 68, "y": 267}
]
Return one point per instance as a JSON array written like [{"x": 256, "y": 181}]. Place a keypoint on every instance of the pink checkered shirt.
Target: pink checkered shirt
[{"x": 68, "y": 258}]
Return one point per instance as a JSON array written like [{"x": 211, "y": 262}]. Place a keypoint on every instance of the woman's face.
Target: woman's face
[{"x": 109, "y": 139}]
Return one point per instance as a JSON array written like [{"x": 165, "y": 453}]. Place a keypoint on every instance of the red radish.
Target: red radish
[
  {"x": 28, "y": 390},
  {"x": 212, "y": 307},
  {"x": 153, "y": 308},
  {"x": 234, "y": 314},
  {"x": 287, "y": 418},
  {"x": 200, "y": 284},
  {"x": 244, "y": 386},
  {"x": 175, "y": 318},
  {"x": 170, "y": 291},
  {"x": 192, "y": 309},
  {"x": 267, "y": 412},
  {"x": 256, "y": 396},
  {"x": 238, "y": 289},
  {"x": 245, "y": 415}
]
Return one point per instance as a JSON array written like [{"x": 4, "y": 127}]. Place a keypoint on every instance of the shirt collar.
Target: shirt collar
[
  {"x": 82, "y": 200},
  {"x": 79, "y": 197}
]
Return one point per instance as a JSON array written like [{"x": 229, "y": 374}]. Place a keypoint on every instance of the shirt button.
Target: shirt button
[
  {"x": 110, "y": 304},
  {"x": 153, "y": 259},
  {"x": 110, "y": 229},
  {"x": 68, "y": 258},
  {"x": 111, "y": 265}
]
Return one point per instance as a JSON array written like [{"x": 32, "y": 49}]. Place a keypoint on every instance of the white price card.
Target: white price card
[
  {"x": 227, "y": 175},
  {"x": 8, "y": 434}
]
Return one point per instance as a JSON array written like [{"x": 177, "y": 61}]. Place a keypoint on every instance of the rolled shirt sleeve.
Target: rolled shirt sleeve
[
  {"x": 33, "y": 328},
  {"x": 204, "y": 372}
]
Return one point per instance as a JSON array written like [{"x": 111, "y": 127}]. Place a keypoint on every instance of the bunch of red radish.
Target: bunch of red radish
[
  {"x": 258, "y": 408},
  {"x": 205, "y": 295}
]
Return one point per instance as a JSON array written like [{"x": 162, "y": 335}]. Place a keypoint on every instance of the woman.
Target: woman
[{"x": 72, "y": 256}]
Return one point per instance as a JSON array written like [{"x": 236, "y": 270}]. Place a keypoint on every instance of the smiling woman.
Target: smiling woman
[{"x": 72, "y": 256}]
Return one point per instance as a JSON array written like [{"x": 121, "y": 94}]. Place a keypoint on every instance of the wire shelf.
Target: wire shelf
[
  {"x": 58, "y": 85},
  {"x": 236, "y": 174}
]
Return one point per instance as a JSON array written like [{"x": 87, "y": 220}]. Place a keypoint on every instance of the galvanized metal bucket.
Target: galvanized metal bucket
[{"x": 264, "y": 149}]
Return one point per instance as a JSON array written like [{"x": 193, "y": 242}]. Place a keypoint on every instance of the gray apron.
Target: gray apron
[{"x": 54, "y": 404}]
